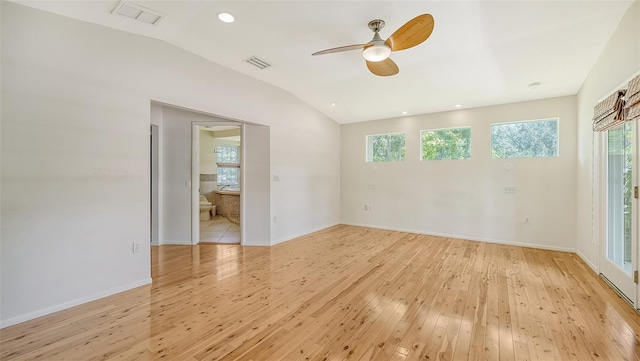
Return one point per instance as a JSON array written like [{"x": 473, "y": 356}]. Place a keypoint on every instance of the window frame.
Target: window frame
[
  {"x": 421, "y": 150},
  {"x": 369, "y": 149},
  {"x": 225, "y": 166},
  {"x": 557, "y": 133}
]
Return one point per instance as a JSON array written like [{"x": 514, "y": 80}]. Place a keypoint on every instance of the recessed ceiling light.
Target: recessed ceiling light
[
  {"x": 534, "y": 85},
  {"x": 404, "y": 113},
  {"x": 226, "y": 18},
  {"x": 458, "y": 105},
  {"x": 333, "y": 104}
]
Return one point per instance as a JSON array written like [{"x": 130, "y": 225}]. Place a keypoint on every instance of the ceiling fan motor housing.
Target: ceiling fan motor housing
[
  {"x": 376, "y": 50},
  {"x": 376, "y": 25}
]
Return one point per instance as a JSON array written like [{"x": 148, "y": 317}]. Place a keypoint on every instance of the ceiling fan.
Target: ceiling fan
[{"x": 377, "y": 51}]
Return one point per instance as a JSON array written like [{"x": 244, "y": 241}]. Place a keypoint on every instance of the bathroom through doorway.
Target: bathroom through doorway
[
  {"x": 241, "y": 191},
  {"x": 219, "y": 183}
]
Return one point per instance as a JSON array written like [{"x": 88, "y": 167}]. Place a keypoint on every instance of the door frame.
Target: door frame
[
  {"x": 607, "y": 270},
  {"x": 155, "y": 185},
  {"x": 195, "y": 174}
]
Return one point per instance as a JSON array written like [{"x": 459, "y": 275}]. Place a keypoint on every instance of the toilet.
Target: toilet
[{"x": 206, "y": 209}]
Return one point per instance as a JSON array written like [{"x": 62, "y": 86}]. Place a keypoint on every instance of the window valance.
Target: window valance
[
  {"x": 621, "y": 106},
  {"x": 609, "y": 112},
  {"x": 633, "y": 99}
]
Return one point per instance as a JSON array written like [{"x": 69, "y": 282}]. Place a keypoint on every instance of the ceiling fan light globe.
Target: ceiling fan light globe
[{"x": 376, "y": 53}]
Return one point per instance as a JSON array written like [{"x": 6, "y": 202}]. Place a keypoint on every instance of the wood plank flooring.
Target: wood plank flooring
[{"x": 346, "y": 293}]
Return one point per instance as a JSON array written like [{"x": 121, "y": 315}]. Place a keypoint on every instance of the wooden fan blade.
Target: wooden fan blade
[
  {"x": 339, "y": 49},
  {"x": 386, "y": 67},
  {"x": 412, "y": 33}
]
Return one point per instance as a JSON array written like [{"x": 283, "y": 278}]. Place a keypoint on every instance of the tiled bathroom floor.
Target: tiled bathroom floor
[{"x": 219, "y": 230}]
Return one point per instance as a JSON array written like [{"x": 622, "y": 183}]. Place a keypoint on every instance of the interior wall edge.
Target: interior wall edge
[
  {"x": 587, "y": 261},
  {"x": 176, "y": 243},
  {"x": 72, "y": 303},
  {"x": 317, "y": 229},
  {"x": 466, "y": 238}
]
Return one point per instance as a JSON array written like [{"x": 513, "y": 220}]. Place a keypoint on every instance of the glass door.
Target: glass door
[{"x": 619, "y": 261}]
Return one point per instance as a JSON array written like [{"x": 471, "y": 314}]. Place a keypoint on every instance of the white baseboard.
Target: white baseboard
[
  {"x": 76, "y": 302},
  {"x": 588, "y": 262},
  {"x": 176, "y": 243},
  {"x": 487, "y": 240},
  {"x": 288, "y": 238}
]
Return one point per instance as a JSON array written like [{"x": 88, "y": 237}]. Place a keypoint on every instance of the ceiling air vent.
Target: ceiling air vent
[
  {"x": 257, "y": 62},
  {"x": 137, "y": 12}
]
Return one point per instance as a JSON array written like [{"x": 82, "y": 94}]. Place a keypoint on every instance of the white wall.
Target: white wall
[
  {"x": 208, "y": 165},
  {"x": 465, "y": 198},
  {"x": 176, "y": 174},
  {"x": 208, "y": 157},
  {"x": 255, "y": 203},
  {"x": 75, "y": 154},
  {"x": 619, "y": 61}
]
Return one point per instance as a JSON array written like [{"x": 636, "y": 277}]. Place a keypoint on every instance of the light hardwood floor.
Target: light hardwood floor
[{"x": 346, "y": 293}]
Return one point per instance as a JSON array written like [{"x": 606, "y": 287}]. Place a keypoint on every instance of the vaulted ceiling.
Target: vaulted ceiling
[{"x": 480, "y": 53}]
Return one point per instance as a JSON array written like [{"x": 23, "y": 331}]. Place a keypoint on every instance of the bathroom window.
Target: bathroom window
[
  {"x": 228, "y": 154},
  {"x": 228, "y": 164},
  {"x": 228, "y": 175},
  {"x": 385, "y": 147},
  {"x": 445, "y": 144},
  {"x": 527, "y": 139}
]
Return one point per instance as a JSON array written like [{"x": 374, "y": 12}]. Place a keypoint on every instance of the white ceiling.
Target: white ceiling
[{"x": 480, "y": 53}]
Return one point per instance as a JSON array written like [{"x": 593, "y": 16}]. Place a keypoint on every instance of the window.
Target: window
[
  {"x": 227, "y": 154},
  {"x": 529, "y": 139},
  {"x": 620, "y": 195},
  {"x": 228, "y": 175},
  {"x": 385, "y": 147},
  {"x": 228, "y": 164},
  {"x": 441, "y": 144}
]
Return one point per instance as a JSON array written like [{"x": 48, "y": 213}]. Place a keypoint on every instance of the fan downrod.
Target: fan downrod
[{"x": 376, "y": 25}]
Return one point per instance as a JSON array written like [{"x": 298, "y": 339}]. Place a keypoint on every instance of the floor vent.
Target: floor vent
[
  {"x": 137, "y": 12},
  {"x": 615, "y": 288},
  {"x": 257, "y": 62}
]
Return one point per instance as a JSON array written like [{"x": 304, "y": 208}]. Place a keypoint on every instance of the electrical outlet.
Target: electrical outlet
[
  {"x": 135, "y": 247},
  {"x": 509, "y": 189},
  {"x": 527, "y": 220}
]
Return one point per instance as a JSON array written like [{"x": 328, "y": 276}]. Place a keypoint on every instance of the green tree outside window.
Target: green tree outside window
[
  {"x": 444, "y": 144},
  {"x": 385, "y": 147},
  {"x": 529, "y": 139}
]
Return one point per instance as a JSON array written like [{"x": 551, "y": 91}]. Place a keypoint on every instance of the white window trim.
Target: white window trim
[
  {"x": 557, "y": 119},
  {"x": 436, "y": 129},
  {"x": 369, "y": 150}
]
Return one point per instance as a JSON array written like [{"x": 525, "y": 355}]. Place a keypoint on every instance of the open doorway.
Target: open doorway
[
  {"x": 219, "y": 183},
  {"x": 253, "y": 180},
  {"x": 178, "y": 176}
]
